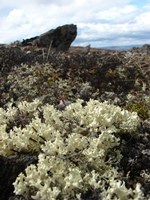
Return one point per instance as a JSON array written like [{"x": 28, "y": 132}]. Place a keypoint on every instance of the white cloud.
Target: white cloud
[{"x": 99, "y": 22}]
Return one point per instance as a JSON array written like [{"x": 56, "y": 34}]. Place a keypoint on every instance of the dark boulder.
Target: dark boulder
[
  {"x": 29, "y": 41},
  {"x": 10, "y": 168},
  {"x": 58, "y": 39}
]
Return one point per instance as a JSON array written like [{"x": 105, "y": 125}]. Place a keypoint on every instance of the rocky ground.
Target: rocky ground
[{"x": 120, "y": 77}]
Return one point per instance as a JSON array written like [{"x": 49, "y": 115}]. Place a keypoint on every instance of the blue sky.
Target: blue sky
[{"x": 100, "y": 22}]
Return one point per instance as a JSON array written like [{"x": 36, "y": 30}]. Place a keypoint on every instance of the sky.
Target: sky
[{"x": 100, "y": 23}]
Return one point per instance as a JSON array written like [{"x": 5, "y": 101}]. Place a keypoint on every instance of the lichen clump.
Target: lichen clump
[{"x": 77, "y": 149}]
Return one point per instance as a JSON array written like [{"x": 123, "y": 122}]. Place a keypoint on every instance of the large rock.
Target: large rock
[
  {"x": 59, "y": 39},
  {"x": 10, "y": 168}
]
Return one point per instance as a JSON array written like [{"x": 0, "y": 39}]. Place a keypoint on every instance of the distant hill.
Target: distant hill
[
  {"x": 121, "y": 48},
  {"x": 117, "y": 48}
]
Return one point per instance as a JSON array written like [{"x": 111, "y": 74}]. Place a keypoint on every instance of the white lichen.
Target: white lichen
[{"x": 73, "y": 147}]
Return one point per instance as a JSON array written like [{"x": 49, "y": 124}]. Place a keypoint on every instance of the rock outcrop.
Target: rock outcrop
[{"x": 59, "y": 39}]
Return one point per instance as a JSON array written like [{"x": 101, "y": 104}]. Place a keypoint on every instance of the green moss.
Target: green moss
[{"x": 140, "y": 107}]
